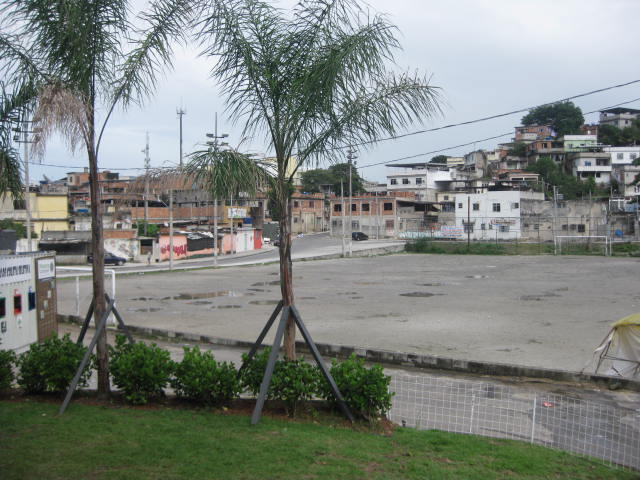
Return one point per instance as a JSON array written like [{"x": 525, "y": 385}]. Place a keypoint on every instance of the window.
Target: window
[
  {"x": 19, "y": 205},
  {"x": 572, "y": 227},
  {"x": 587, "y": 163},
  {"x": 365, "y": 207},
  {"x": 337, "y": 207},
  {"x": 476, "y": 207},
  {"x": 355, "y": 225},
  {"x": 388, "y": 206},
  {"x": 597, "y": 174},
  {"x": 483, "y": 226},
  {"x": 496, "y": 207},
  {"x": 3, "y": 307},
  {"x": 295, "y": 204},
  {"x": 602, "y": 162},
  {"x": 394, "y": 181},
  {"x": 353, "y": 207},
  {"x": 515, "y": 206},
  {"x": 581, "y": 228},
  {"x": 468, "y": 227},
  {"x": 633, "y": 156},
  {"x": 620, "y": 156},
  {"x": 418, "y": 181},
  {"x": 504, "y": 228},
  {"x": 536, "y": 226},
  {"x": 446, "y": 197},
  {"x": 388, "y": 224},
  {"x": 565, "y": 227},
  {"x": 405, "y": 181},
  {"x": 334, "y": 223},
  {"x": 311, "y": 204},
  {"x": 295, "y": 219},
  {"x": 459, "y": 205}
]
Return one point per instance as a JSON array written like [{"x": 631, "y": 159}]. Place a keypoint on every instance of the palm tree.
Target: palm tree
[
  {"x": 74, "y": 49},
  {"x": 311, "y": 81}
]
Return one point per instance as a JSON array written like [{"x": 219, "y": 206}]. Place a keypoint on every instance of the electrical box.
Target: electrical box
[{"x": 24, "y": 318}]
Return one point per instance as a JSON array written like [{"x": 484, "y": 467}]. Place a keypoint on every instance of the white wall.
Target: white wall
[{"x": 503, "y": 224}]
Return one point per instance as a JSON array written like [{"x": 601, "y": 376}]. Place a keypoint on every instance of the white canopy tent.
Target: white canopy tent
[{"x": 619, "y": 352}]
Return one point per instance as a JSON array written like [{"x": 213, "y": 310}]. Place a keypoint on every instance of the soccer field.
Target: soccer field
[{"x": 540, "y": 311}]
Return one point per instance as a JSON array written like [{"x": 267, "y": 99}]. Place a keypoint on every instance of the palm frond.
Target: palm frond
[
  {"x": 228, "y": 173},
  {"x": 61, "y": 110}
]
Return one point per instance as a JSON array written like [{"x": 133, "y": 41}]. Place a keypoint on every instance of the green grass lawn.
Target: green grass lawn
[{"x": 120, "y": 442}]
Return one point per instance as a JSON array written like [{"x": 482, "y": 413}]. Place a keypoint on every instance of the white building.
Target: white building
[
  {"x": 623, "y": 155},
  {"x": 591, "y": 164},
  {"x": 421, "y": 179},
  {"x": 489, "y": 215}
]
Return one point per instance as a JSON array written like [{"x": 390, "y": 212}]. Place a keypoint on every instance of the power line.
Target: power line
[
  {"x": 500, "y": 115},
  {"x": 478, "y": 141},
  {"x": 395, "y": 137}
]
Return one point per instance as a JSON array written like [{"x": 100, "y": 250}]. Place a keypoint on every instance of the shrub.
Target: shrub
[
  {"x": 51, "y": 366},
  {"x": 7, "y": 359},
  {"x": 139, "y": 370},
  {"x": 253, "y": 371},
  {"x": 200, "y": 378},
  {"x": 292, "y": 381},
  {"x": 365, "y": 390}
]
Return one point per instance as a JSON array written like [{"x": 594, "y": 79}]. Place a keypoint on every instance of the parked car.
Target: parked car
[
  {"x": 276, "y": 242},
  {"x": 110, "y": 259},
  {"x": 357, "y": 236}
]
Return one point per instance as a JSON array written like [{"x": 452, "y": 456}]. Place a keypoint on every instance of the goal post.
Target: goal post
[{"x": 581, "y": 244}]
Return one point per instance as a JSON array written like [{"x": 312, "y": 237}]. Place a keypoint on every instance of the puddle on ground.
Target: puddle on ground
[
  {"x": 198, "y": 296},
  {"x": 145, "y": 310},
  {"x": 264, "y": 302},
  {"x": 256, "y": 289},
  {"x": 224, "y": 307},
  {"x": 265, "y": 284},
  {"x": 200, "y": 302},
  {"x": 534, "y": 341},
  {"x": 419, "y": 294},
  {"x": 307, "y": 298},
  {"x": 141, "y": 299},
  {"x": 537, "y": 298},
  {"x": 477, "y": 276}
]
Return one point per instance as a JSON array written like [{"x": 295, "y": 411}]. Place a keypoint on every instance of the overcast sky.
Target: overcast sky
[{"x": 488, "y": 57}]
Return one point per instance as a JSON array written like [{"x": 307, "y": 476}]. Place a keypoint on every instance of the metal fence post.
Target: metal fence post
[{"x": 533, "y": 419}]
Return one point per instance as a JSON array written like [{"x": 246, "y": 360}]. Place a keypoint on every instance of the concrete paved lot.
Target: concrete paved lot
[{"x": 538, "y": 311}]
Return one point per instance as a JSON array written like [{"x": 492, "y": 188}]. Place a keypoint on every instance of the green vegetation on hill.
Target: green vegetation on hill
[{"x": 123, "y": 443}]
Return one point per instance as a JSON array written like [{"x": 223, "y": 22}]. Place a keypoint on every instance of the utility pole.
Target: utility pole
[
  {"x": 180, "y": 112},
  {"x": 351, "y": 156},
  {"x": 215, "y": 145},
  {"x": 171, "y": 229},
  {"x": 343, "y": 216},
  {"x": 24, "y": 129},
  {"x": 147, "y": 165},
  {"x": 468, "y": 222}
]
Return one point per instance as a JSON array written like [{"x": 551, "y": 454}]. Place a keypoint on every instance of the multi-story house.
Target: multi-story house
[{"x": 619, "y": 117}]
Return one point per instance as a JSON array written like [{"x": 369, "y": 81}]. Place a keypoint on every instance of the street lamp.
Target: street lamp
[
  {"x": 351, "y": 156},
  {"x": 215, "y": 145}
]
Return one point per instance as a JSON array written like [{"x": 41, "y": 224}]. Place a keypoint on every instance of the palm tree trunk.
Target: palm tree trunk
[
  {"x": 97, "y": 247},
  {"x": 286, "y": 273}
]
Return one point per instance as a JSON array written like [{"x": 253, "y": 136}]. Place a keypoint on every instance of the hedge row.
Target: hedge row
[{"x": 142, "y": 371}]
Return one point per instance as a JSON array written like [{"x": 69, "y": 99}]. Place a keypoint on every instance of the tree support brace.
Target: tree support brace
[
  {"x": 287, "y": 311},
  {"x": 100, "y": 326}
]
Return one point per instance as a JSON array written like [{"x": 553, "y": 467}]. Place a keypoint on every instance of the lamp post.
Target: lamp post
[
  {"x": 351, "y": 156},
  {"x": 214, "y": 144},
  {"x": 26, "y": 141}
]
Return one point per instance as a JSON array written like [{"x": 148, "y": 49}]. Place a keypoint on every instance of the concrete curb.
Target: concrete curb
[{"x": 404, "y": 359}]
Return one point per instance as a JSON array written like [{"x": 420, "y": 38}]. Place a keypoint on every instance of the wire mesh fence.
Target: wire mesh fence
[{"x": 557, "y": 421}]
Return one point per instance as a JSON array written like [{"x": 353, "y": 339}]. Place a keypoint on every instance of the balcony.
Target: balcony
[{"x": 597, "y": 168}]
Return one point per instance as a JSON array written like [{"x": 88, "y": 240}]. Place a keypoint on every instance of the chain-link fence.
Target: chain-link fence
[{"x": 578, "y": 426}]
